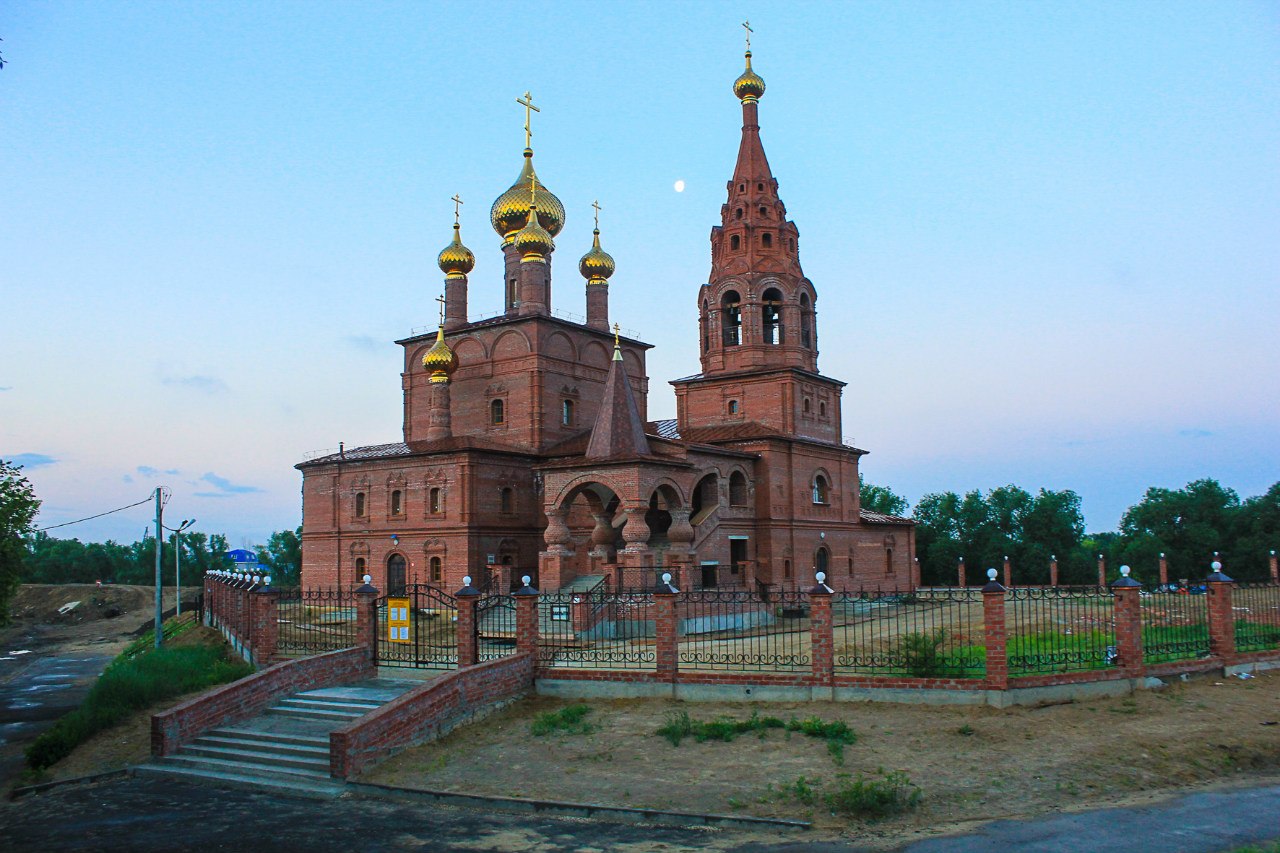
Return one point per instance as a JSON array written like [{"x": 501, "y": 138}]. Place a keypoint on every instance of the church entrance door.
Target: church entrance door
[{"x": 396, "y": 579}]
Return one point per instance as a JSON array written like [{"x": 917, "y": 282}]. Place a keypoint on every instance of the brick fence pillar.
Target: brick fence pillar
[
  {"x": 1222, "y": 620},
  {"x": 821, "y": 633},
  {"x": 993, "y": 613},
  {"x": 266, "y": 624},
  {"x": 960, "y": 573},
  {"x": 1275, "y": 568},
  {"x": 527, "y": 627},
  {"x": 1008, "y": 572},
  {"x": 367, "y": 618},
  {"x": 1128, "y": 618},
  {"x": 1102, "y": 572},
  {"x": 466, "y": 627},
  {"x": 1053, "y": 570},
  {"x": 1164, "y": 570},
  {"x": 665, "y": 629},
  {"x": 915, "y": 573}
]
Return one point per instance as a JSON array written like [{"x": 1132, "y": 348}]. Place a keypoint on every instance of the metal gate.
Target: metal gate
[
  {"x": 495, "y": 627},
  {"x": 432, "y": 641}
]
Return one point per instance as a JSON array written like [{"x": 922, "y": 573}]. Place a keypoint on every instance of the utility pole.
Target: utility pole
[
  {"x": 177, "y": 563},
  {"x": 159, "y": 551}
]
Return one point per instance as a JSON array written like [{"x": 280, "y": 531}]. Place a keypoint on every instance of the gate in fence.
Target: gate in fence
[{"x": 427, "y": 636}]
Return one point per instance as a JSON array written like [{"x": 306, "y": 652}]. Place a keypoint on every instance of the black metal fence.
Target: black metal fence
[
  {"x": 600, "y": 629},
  {"x": 1059, "y": 629},
  {"x": 936, "y": 633},
  {"x": 1257, "y": 608},
  {"x": 495, "y": 627},
  {"x": 1175, "y": 626},
  {"x": 426, "y": 630},
  {"x": 315, "y": 620},
  {"x": 742, "y": 631}
]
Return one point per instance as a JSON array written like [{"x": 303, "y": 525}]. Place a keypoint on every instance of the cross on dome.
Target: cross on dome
[{"x": 529, "y": 108}]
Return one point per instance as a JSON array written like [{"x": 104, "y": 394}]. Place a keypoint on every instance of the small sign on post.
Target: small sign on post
[{"x": 398, "y": 620}]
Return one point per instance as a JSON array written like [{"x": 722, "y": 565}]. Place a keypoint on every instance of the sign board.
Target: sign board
[{"x": 398, "y": 620}]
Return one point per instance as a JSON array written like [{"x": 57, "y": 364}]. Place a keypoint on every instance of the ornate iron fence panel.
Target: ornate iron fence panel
[
  {"x": 936, "y": 633},
  {"x": 432, "y": 641},
  {"x": 1059, "y": 629},
  {"x": 1175, "y": 626},
  {"x": 313, "y": 621},
  {"x": 495, "y": 627},
  {"x": 739, "y": 631},
  {"x": 1257, "y": 612},
  {"x": 599, "y": 629}
]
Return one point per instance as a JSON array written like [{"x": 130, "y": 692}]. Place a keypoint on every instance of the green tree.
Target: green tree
[
  {"x": 875, "y": 499},
  {"x": 1187, "y": 524},
  {"x": 18, "y": 508},
  {"x": 283, "y": 556},
  {"x": 1255, "y": 534}
]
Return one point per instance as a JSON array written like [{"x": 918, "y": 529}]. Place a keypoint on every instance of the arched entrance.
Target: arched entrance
[
  {"x": 822, "y": 561},
  {"x": 397, "y": 570}
]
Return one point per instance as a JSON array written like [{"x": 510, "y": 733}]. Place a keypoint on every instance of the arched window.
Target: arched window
[
  {"x": 771, "y": 316},
  {"x": 822, "y": 560},
  {"x": 735, "y": 242},
  {"x": 766, "y": 240},
  {"x": 733, "y": 407},
  {"x": 566, "y": 413},
  {"x": 396, "y": 507},
  {"x": 737, "y": 214},
  {"x": 806, "y": 405},
  {"x": 888, "y": 561},
  {"x": 497, "y": 413},
  {"x": 806, "y": 321},
  {"x": 822, "y": 408},
  {"x": 706, "y": 323},
  {"x": 759, "y": 186},
  {"x": 764, "y": 211},
  {"x": 820, "y": 489},
  {"x": 737, "y": 489},
  {"x": 791, "y": 245},
  {"x": 396, "y": 580},
  {"x": 360, "y": 507},
  {"x": 437, "y": 570},
  {"x": 786, "y": 568},
  {"x": 360, "y": 564},
  {"x": 434, "y": 503},
  {"x": 513, "y": 293},
  {"x": 731, "y": 318},
  {"x": 508, "y": 500},
  {"x": 742, "y": 188}
]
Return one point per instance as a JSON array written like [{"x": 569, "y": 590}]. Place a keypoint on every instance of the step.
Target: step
[
  {"x": 243, "y": 767},
  {"x": 288, "y": 750},
  {"x": 313, "y": 713},
  {"x": 281, "y": 739},
  {"x": 358, "y": 709},
  {"x": 294, "y": 786},
  {"x": 269, "y": 760}
]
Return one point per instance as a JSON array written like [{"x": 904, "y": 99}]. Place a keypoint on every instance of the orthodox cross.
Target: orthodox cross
[
  {"x": 596, "y": 205},
  {"x": 440, "y": 299},
  {"x": 746, "y": 25},
  {"x": 457, "y": 206},
  {"x": 527, "y": 103},
  {"x": 616, "y": 344}
]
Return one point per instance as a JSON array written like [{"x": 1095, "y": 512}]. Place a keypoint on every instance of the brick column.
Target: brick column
[
  {"x": 1164, "y": 570},
  {"x": 960, "y": 572},
  {"x": 1128, "y": 618},
  {"x": 1222, "y": 621},
  {"x": 1102, "y": 571},
  {"x": 1053, "y": 570},
  {"x": 821, "y": 634},
  {"x": 266, "y": 625},
  {"x": 527, "y": 628},
  {"x": 993, "y": 612},
  {"x": 666, "y": 634},
  {"x": 1008, "y": 572},
  {"x": 1275, "y": 568},
  {"x": 207, "y": 599},
  {"x": 915, "y": 573},
  {"x": 465, "y": 627},
  {"x": 366, "y": 597}
]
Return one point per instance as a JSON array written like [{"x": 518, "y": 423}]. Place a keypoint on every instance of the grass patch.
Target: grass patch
[
  {"x": 874, "y": 799},
  {"x": 679, "y": 726},
  {"x": 1048, "y": 652},
  {"x": 569, "y": 720},
  {"x": 132, "y": 683}
]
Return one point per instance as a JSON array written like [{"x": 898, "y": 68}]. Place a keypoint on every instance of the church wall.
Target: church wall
[{"x": 777, "y": 400}]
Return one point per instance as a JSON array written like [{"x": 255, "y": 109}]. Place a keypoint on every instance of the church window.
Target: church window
[
  {"x": 772, "y": 316},
  {"x": 735, "y": 242},
  {"x": 764, "y": 211},
  {"x": 742, "y": 188},
  {"x": 360, "y": 507},
  {"x": 507, "y": 501},
  {"x": 396, "y": 574},
  {"x": 760, "y": 186},
  {"x": 513, "y": 293},
  {"x": 733, "y": 407},
  {"x": 737, "y": 214},
  {"x": 397, "y": 506},
  {"x": 822, "y": 409},
  {"x": 791, "y": 245},
  {"x": 822, "y": 560},
  {"x": 566, "y": 413},
  {"x": 806, "y": 405},
  {"x": 806, "y": 321},
  {"x": 360, "y": 564},
  {"x": 497, "y": 413},
  {"x": 437, "y": 570},
  {"x": 888, "y": 561},
  {"x": 766, "y": 240},
  {"x": 737, "y": 489},
  {"x": 434, "y": 504},
  {"x": 786, "y": 568},
  {"x": 731, "y": 318},
  {"x": 820, "y": 490}
]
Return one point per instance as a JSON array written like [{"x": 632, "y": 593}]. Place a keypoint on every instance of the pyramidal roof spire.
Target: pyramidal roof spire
[{"x": 618, "y": 431}]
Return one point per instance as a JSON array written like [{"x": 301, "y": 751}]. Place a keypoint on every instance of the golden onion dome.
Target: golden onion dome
[
  {"x": 596, "y": 265},
  {"x": 456, "y": 259},
  {"x": 440, "y": 360},
  {"x": 533, "y": 242},
  {"x": 749, "y": 86},
  {"x": 510, "y": 211}
]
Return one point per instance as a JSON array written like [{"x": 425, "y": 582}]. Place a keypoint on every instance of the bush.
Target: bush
[
  {"x": 130, "y": 684},
  {"x": 923, "y": 653},
  {"x": 568, "y": 720},
  {"x": 873, "y": 799},
  {"x": 679, "y": 726}
]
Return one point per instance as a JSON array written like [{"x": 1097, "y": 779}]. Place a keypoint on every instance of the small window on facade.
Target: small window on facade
[
  {"x": 759, "y": 186},
  {"x": 822, "y": 409},
  {"x": 737, "y": 214},
  {"x": 822, "y": 560},
  {"x": 737, "y": 489},
  {"x": 786, "y": 568},
  {"x": 396, "y": 508},
  {"x": 735, "y": 242},
  {"x": 497, "y": 413},
  {"x": 433, "y": 501},
  {"x": 888, "y": 561},
  {"x": 360, "y": 568},
  {"x": 820, "y": 489},
  {"x": 437, "y": 570},
  {"x": 566, "y": 413},
  {"x": 513, "y": 293},
  {"x": 733, "y": 407},
  {"x": 791, "y": 245},
  {"x": 766, "y": 240},
  {"x": 806, "y": 405},
  {"x": 508, "y": 500},
  {"x": 764, "y": 211},
  {"x": 742, "y": 188},
  {"x": 360, "y": 505}
]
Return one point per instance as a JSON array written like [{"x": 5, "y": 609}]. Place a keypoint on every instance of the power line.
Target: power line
[{"x": 92, "y": 517}]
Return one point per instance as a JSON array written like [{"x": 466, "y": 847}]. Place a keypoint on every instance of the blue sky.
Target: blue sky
[{"x": 1044, "y": 235}]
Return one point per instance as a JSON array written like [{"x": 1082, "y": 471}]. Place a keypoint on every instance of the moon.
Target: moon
[{"x": 679, "y": 186}]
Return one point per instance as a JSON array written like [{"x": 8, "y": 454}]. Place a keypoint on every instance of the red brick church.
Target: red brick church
[{"x": 527, "y": 448}]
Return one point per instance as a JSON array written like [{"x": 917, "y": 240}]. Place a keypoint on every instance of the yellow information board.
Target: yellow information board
[{"x": 398, "y": 620}]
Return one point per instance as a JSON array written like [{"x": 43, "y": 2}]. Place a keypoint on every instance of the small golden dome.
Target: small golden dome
[
  {"x": 533, "y": 242},
  {"x": 455, "y": 259},
  {"x": 596, "y": 265},
  {"x": 511, "y": 209},
  {"x": 440, "y": 360},
  {"x": 750, "y": 85}
]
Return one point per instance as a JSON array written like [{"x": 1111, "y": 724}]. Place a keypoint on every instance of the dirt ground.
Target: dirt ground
[{"x": 971, "y": 763}]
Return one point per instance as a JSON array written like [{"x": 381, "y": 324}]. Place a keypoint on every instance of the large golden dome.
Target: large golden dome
[
  {"x": 456, "y": 259},
  {"x": 596, "y": 265},
  {"x": 510, "y": 211},
  {"x": 533, "y": 241},
  {"x": 749, "y": 86},
  {"x": 440, "y": 360}
]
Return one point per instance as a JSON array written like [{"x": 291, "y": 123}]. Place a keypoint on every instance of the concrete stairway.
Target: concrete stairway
[{"x": 286, "y": 748}]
